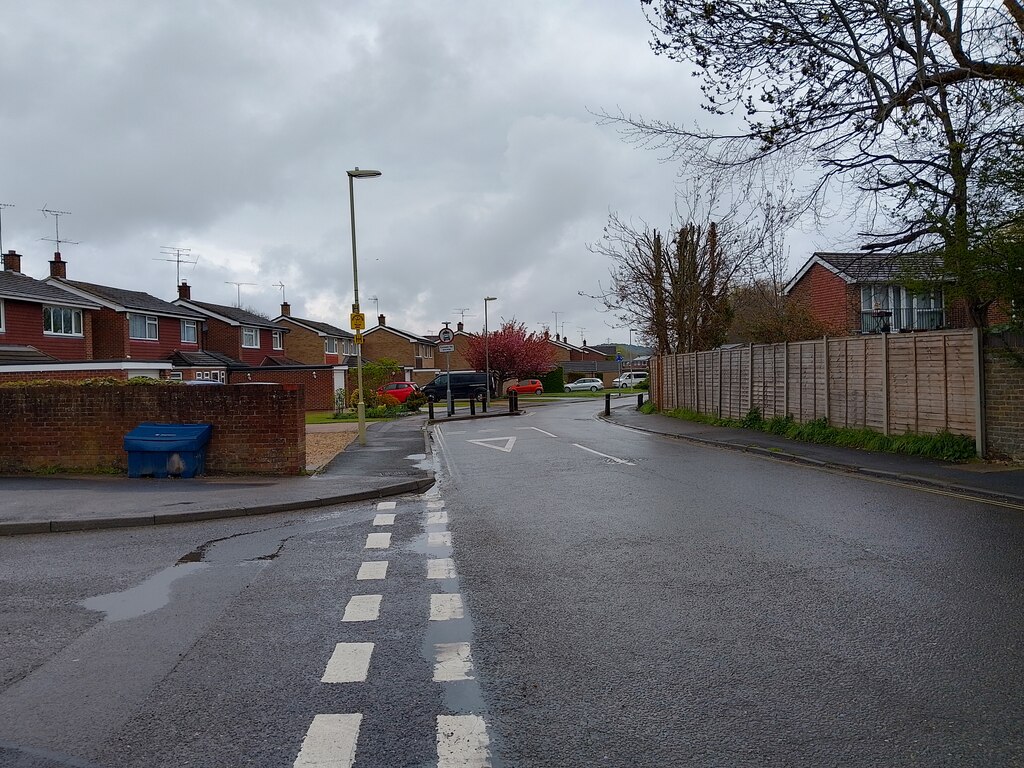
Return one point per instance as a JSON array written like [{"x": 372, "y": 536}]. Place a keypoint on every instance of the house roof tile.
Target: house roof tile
[
  {"x": 130, "y": 300},
  {"x": 21, "y": 287}
]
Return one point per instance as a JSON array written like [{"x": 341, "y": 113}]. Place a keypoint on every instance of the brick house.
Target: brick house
[
  {"x": 865, "y": 293},
  {"x": 132, "y": 325},
  {"x": 416, "y": 354},
  {"x": 315, "y": 343},
  {"x": 39, "y": 321},
  {"x": 236, "y": 332},
  {"x": 460, "y": 357}
]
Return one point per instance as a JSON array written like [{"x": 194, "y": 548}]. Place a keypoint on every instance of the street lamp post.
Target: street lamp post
[
  {"x": 487, "y": 353},
  {"x": 356, "y": 173}
]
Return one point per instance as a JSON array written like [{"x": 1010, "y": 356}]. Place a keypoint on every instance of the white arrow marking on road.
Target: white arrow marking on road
[
  {"x": 605, "y": 455},
  {"x": 488, "y": 443}
]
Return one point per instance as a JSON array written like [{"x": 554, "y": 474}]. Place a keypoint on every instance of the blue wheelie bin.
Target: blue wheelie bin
[{"x": 167, "y": 450}]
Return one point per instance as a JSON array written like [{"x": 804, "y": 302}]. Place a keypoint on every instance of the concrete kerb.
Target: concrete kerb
[
  {"x": 137, "y": 521},
  {"x": 757, "y": 450}
]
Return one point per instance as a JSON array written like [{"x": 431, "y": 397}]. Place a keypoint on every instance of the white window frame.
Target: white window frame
[
  {"x": 75, "y": 316},
  {"x": 194, "y": 325},
  {"x": 277, "y": 339},
  {"x": 174, "y": 375},
  {"x": 152, "y": 326},
  {"x": 250, "y": 331},
  {"x": 426, "y": 351},
  {"x": 329, "y": 342},
  {"x": 348, "y": 347},
  {"x": 3, "y": 328}
]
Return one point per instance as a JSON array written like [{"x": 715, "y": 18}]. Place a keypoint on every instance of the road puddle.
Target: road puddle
[{"x": 151, "y": 595}]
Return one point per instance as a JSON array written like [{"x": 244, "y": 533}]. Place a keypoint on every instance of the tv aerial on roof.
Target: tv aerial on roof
[
  {"x": 56, "y": 224},
  {"x": 181, "y": 256}
]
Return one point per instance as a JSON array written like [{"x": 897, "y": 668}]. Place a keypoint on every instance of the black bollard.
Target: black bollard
[
  {"x": 430, "y": 409},
  {"x": 472, "y": 405},
  {"x": 640, "y": 401},
  {"x": 483, "y": 405},
  {"x": 607, "y": 403}
]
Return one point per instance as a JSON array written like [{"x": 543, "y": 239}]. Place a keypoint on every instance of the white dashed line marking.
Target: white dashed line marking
[
  {"x": 372, "y": 570},
  {"x": 440, "y": 517},
  {"x": 349, "y": 663},
  {"x": 538, "y": 429},
  {"x": 445, "y": 607},
  {"x": 330, "y": 742},
  {"x": 378, "y": 541},
  {"x": 605, "y": 455},
  {"x": 439, "y": 539},
  {"x": 362, "y": 608},
  {"x": 435, "y": 505},
  {"x": 462, "y": 742},
  {"x": 386, "y": 504},
  {"x": 441, "y": 568},
  {"x": 384, "y": 520},
  {"x": 452, "y": 661}
]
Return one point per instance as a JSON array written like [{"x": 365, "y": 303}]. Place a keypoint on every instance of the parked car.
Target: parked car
[
  {"x": 400, "y": 390},
  {"x": 464, "y": 385},
  {"x": 527, "y": 387},
  {"x": 630, "y": 379},
  {"x": 581, "y": 385}
]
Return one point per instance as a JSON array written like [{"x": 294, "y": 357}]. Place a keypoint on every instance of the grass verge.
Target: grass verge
[{"x": 942, "y": 445}]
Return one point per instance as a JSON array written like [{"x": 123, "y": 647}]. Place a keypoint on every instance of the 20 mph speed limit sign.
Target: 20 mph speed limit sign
[{"x": 446, "y": 335}]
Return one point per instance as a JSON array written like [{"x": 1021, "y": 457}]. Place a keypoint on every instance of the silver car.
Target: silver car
[{"x": 582, "y": 385}]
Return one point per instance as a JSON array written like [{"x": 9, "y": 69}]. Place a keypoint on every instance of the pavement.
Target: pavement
[
  {"x": 397, "y": 460},
  {"x": 991, "y": 480}
]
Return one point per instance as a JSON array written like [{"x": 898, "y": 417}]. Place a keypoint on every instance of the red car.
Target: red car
[
  {"x": 527, "y": 387},
  {"x": 400, "y": 390}
]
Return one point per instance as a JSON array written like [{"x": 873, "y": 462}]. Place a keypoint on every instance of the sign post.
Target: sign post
[{"x": 446, "y": 336}]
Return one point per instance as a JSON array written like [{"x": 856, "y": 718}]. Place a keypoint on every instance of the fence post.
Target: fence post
[
  {"x": 785, "y": 379},
  {"x": 828, "y": 392},
  {"x": 721, "y": 384},
  {"x": 979, "y": 391},
  {"x": 696, "y": 381},
  {"x": 750, "y": 377},
  {"x": 885, "y": 384}
]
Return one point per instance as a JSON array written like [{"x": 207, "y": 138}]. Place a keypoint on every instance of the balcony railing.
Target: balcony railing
[{"x": 890, "y": 321}]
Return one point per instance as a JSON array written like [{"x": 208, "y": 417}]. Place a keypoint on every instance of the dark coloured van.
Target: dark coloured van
[{"x": 464, "y": 386}]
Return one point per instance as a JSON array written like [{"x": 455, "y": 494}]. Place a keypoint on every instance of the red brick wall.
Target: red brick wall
[
  {"x": 23, "y": 324},
  {"x": 110, "y": 335},
  {"x": 256, "y": 429},
  {"x": 829, "y": 299},
  {"x": 1004, "y": 396},
  {"x": 224, "y": 338},
  {"x": 318, "y": 383}
]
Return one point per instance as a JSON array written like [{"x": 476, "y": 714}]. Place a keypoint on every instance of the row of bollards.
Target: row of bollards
[
  {"x": 608, "y": 402},
  {"x": 513, "y": 406}
]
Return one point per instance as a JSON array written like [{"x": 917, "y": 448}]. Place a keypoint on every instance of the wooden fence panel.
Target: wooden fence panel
[{"x": 920, "y": 382}]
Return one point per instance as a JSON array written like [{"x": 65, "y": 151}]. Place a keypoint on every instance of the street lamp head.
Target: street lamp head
[
  {"x": 364, "y": 173},
  {"x": 490, "y": 298}
]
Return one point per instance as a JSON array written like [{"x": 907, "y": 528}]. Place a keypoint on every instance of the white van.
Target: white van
[{"x": 630, "y": 379}]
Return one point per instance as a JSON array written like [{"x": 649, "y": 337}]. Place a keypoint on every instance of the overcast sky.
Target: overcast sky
[{"x": 227, "y": 127}]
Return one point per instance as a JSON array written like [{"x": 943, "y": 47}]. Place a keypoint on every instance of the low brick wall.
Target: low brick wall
[
  {"x": 1004, "y": 397},
  {"x": 257, "y": 429},
  {"x": 317, "y": 382}
]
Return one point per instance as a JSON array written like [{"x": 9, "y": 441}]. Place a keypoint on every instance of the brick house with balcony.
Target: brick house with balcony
[
  {"x": 867, "y": 293},
  {"x": 315, "y": 343},
  {"x": 237, "y": 333},
  {"x": 416, "y": 354},
  {"x": 39, "y": 321},
  {"x": 132, "y": 325}
]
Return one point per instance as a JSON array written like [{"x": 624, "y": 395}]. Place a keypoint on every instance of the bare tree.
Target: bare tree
[
  {"x": 676, "y": 288},
  {"x": 914, "y": 104}
]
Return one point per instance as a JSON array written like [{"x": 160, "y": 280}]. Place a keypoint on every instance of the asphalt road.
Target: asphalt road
[
  {"x": 671, "y": 605},
  {"x": 606, "y": 598},
  {"x": 210, "y": 644}
]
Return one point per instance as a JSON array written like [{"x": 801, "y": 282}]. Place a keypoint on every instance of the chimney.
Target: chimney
[
  {"x": 286, "y": 309},
  {"x": 547, "y": 334},
  {"x": 459, "y": 327},
  {"x": 58, "y": 268},
  {"x": 184, "y": 291},
  {"x": 12, "y": 262},
  {"x": 380, "y": 320},
  {"x": 558, "y": 337},
  {"x": 584, "y": 342}
]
